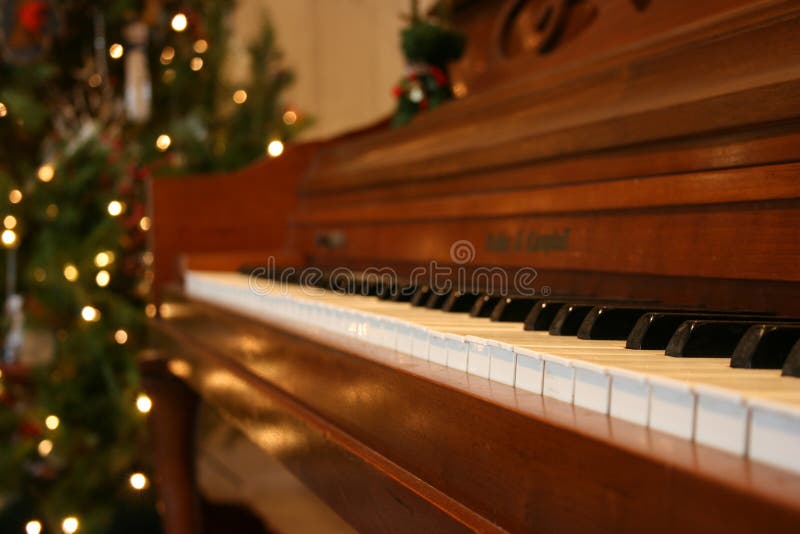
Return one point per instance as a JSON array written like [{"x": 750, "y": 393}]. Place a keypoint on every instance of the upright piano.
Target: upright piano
[{"x": 569, "y": 300}]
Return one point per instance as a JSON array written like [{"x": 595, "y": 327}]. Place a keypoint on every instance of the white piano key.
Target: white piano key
[
  {"x": 630, "y": 396},
  {"x": 420, "y": 342},
  {"x": 456, "y": 352},
  {"x": 437, "y": 351},
  {"x": 672, "y": 407},
  {"x": 774, "y": 435},
  {"x": 389, "y": 334},
  {"x": 478, "y": 359},
  {"x": 592, "y": 386},
  {"x": 502, "y": 364},
  {"x": 403, "y": 338},
  {"x": 722, "y": 418},
  {"x": 529, "y": 374},
  {"x": 559, "y": 378}
]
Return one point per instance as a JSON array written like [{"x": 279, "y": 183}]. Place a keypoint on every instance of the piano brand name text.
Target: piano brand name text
[{"x": 528, "y": 241}]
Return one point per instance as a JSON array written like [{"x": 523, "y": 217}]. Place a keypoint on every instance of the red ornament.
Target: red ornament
[
  {"x": 438, "y": 75},
  {"x": 397, "y": 91},
  {"x": 32, "y": 15}
]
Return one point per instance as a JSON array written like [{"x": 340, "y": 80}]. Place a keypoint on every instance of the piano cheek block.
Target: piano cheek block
[{"x": 774, "y": 436}]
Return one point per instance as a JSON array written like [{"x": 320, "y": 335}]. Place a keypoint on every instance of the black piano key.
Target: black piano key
[
  {"x": 609, "y": 322},
  {"x": 513, "y": 309},
  {"x": 403, "y": 294},
  {"x": 765, "y": 346},
  {"x": 542, "y": 314},
  {"x": 483, "y": 306},
  {"x": 707, "y": 338},
  {"x": 792, "y": 365},
  {"x": 568, "y": 319},
  {"x": 459, "y": 302},
  {"x": 653, "y": 330},
  {"x": 436, "y": 299},
  {"x": 421, "y": 295}
]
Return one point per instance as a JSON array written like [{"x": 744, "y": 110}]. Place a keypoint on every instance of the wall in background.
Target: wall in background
[{"x": 345, "y": 53}]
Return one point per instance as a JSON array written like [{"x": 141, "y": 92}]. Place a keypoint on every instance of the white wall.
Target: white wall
[{"x": 345, "y": 53}]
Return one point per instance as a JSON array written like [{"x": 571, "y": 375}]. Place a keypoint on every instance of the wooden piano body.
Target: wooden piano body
[{"x": 624, "y": 149}]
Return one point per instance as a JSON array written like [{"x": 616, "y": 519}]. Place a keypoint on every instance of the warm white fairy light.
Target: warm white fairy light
[
  {"x": 138, "y": 481},
  {"x": 145, "y": 223},
  {"x": 33, "y": 527},
  {"x": 3, "y": 110},
  {"x": 163, "y": 142},
  {"x": 52, "y": 422},
  {"x": 289, "y": 117},
  {"x": 51, "y": 211},
  {"x": 196, "y": 63},
  {"x": 150, "y": 310},
  {"x": 45, "y": 447},
  {"x": 90, "y": 314},
  {"x": 102, "y": 259},
  {"x": 240, "y": 96},
  {"x": 95, "y": 80},
  {"x": 70, "y": 272},
  {"x": 116, "y": 50},
  {"x": 9, "y": 237},
  {"x": 200, "y": 46},
  {"x": 10, "y": 222},
  {"x": 46, "y": 172},
  {"x": 102, "y": 278},
  {"x": 70, "y": 525},
  {"x": 143, "y": 403},
  {"x": 179, "y": 22},
  {"x": 167, "y": 55},
  {"x": 121, "y": 336},
  {"x": 115, "y": 208},
  {"x": 275, "y": 148},
  {"x": 15, "y": 196}
]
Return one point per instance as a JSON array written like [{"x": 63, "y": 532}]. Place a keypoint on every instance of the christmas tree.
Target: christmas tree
[{"x": 78, "y": 141}]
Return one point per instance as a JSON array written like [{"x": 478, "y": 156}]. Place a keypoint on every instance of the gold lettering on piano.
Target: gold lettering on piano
[{"x": 528, "y": 241}]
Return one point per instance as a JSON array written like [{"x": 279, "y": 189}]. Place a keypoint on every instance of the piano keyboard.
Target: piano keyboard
[{"x": 747, "y": 412}]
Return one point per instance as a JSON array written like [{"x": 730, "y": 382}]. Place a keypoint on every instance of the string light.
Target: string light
[
  {"x": 138, "y": 481},
  {"x": 10, "y": 222},
  {"x": 15, "y": 196},
  {"x": 39, "y": 274},
  {"x": 201, "y": 46},
  {"x": 179, "y": 22},
  {"x": 9, "y": 237},
  {"x": 102, "y": 278},
  {"x": 102, "y": 259},
  {"x": 3, "y": 110},
  {"x": 275, "y": 148},
  {"x": 167, "y": 55},
  {"x": 121, "y": 336},
  {"x": 163, "y": 142},
  {"x": 46, "y": 172},
  {"x": 52, "y": 422},
  {"x": 70, "y": 525},
  {"x": 169, "y": 76},
  {"x": 115, "y": 208},
  {"x": 33, "y": 527},
  {"x": 51, "y": 211},
  {"x": 45, "y": 447},
  {"x": 116, "y": 50},
  {"x": 196, "y": 63},
  {"x": 240, "y": 96},
  {"x": 289, "y": 117},
  {"x": 143, "y": 403},
  {"x": 150, "y": 310},
  {"x": 145, "y": 223},
  {"x": 95, "y": 80},
  {"x": 90, "y": 314},
  {"x": 70, "y": 272}
]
